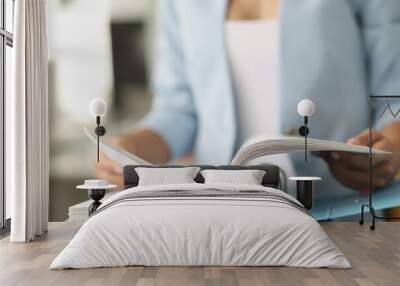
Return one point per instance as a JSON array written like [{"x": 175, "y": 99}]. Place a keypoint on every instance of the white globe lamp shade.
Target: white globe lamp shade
[
  {"x": 97, "y": 107},
  {"x": 305, "y": 108}
]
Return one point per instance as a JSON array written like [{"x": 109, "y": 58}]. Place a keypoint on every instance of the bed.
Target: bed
[{"x": 201, "y": 224}]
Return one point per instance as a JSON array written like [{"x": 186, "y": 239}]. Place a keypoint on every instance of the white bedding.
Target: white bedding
[{"x": 188, "y": 231}]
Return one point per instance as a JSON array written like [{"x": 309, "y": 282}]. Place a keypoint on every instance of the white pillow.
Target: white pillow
[
  {"x": 163, "y": 176},
  {"x": 248, "y": 177}
]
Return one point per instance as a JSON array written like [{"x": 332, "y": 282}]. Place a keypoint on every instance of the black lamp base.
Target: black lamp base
[
  {"x": 96, "y": 195},
  {"x": 305, "y": 190},
  {"x": 305, "y": 193}
]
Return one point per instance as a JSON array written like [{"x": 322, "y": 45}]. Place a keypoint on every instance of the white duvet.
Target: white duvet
[{"x": 201, "y": 231}]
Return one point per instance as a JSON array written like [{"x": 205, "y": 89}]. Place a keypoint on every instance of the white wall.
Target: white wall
[
  {"x": 80, "y": 49},
  {"x": 126, "y": 10}
]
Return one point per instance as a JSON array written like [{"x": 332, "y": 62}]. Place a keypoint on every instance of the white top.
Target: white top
[
  {"x": 305, "y": 178},
  {"x": 253, "y": 51},
  {"x": 96, "y": 185}
]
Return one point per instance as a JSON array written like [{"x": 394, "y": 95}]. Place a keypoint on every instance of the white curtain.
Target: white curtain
[{"x": 27, "y": 137}]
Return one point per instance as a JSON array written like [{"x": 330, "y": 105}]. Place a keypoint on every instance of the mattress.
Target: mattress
[{"x": 201, "y": 225}]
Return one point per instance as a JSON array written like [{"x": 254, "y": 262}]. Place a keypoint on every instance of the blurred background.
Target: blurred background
[{"x": 98, "y": 48}]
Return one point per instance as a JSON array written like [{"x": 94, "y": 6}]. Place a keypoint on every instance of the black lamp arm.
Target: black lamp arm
[
  {"x": 305, "y": 138},
  {"x": 98, "y": 137}
]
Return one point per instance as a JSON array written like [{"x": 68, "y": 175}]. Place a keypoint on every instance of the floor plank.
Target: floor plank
[{"x": 375, "y": 257}]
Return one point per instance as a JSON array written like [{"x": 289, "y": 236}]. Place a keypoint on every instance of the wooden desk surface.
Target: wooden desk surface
[{"x": 375, "y": 257}]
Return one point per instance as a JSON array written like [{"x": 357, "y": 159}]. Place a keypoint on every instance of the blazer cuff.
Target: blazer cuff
[{"x": 178, "y": 133}]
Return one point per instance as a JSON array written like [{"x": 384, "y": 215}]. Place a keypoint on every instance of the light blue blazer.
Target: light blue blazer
[{"x": 335, "y": 52}]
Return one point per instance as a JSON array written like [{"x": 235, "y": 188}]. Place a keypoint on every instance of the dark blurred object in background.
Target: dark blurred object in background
[{"x": 128, "y": 53}]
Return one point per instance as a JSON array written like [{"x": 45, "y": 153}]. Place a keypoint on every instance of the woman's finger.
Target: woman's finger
[
  {"x": 382, "y": 175},
  {"x": 359, "y": 161},
  {"x": 108, "y": 165},
  {"x": 350, "y": 160},
  {"x": 359, "y": 180},
  {"x": 363, "y": 138},
  {"x": 384, "y": 145},
  {"x": 111, "y": 178},
  {"x": 353, "y": 179}
]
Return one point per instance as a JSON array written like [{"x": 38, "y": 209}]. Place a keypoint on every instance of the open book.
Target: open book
[
  {"x": 252, "y": 149},
  {"x": 263, "y": 146}
]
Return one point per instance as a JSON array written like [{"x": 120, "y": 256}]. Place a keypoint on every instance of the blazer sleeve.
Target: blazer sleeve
[
  {"x": 173, "y": 113},
  {"x": 380, "y": 22},
  {"x": 380, "y": 25}
]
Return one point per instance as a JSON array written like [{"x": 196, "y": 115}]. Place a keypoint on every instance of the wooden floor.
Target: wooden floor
[{"x": 375, "y": 257}]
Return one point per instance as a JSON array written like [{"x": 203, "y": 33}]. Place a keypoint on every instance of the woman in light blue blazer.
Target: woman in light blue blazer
[{"x": 333, "y": 52}]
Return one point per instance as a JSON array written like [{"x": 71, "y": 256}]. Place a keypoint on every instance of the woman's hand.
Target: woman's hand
[
  {"x": 109, "y": 170},
  {"x": 144, "y": 143},
  {"x": 352, "y": 170}
]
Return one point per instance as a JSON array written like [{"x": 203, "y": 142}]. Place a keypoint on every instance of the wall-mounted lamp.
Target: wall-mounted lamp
[
  {"x": 98, "y": 108},
  {"x": 305, "y": 108}
]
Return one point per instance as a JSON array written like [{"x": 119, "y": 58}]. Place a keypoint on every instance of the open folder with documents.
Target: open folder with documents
[
  {"x": 252, "y": 149},
  {"x": 263, "y": 146},
  {"x": 116, "y": 154}
]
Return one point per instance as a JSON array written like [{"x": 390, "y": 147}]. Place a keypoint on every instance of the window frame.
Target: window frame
[{"x": 6, "y": 39}]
